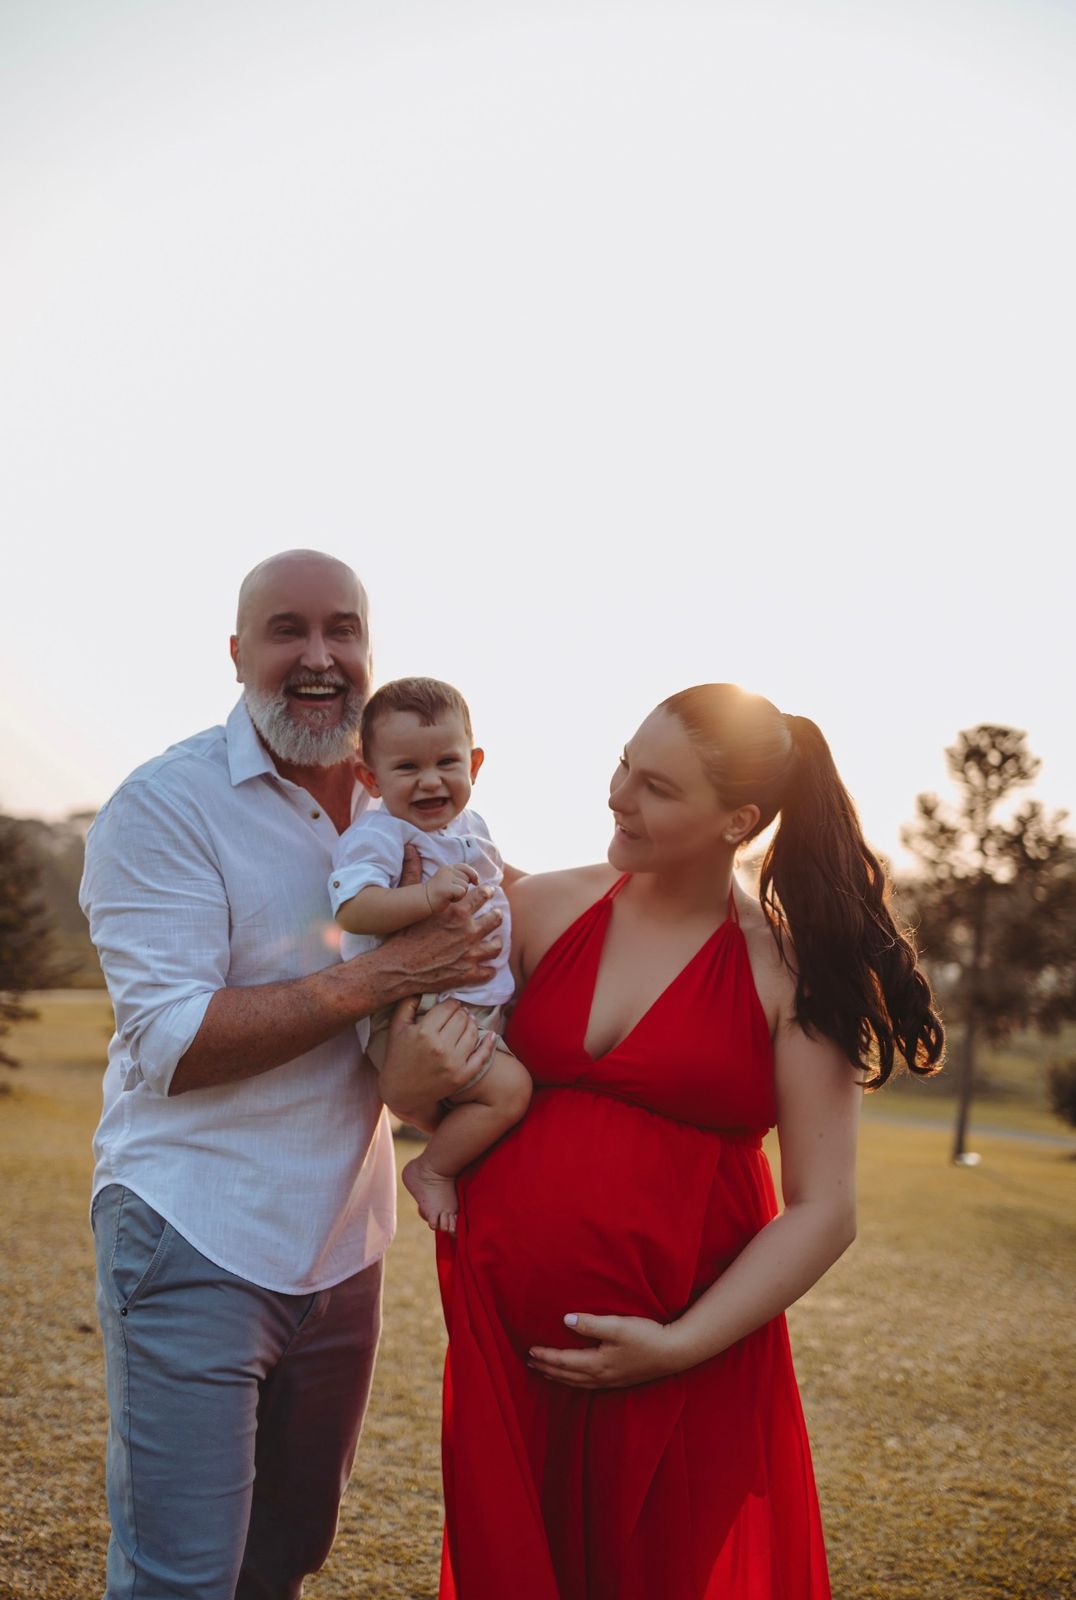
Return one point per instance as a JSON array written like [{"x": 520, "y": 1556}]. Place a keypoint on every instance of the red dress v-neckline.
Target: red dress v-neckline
[{"x": 730, "y": 919}]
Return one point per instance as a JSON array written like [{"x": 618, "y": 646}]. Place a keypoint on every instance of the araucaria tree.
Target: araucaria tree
[
  {"x": 995, "y": 900},
  {"x": 25, "y": 939}
]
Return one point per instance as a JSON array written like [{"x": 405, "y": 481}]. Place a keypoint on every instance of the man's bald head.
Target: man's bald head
[
  {"x": 301, "y": 650},
  {"x": 277, "y": 569}
]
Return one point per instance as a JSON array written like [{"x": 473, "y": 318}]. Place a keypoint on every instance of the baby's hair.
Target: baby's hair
[{"x": 428, "y": 698}]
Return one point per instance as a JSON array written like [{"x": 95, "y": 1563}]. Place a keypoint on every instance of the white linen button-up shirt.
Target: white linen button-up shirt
[
  {"x": 370, "y": 854},
  {"x": 207, "y": 870}
]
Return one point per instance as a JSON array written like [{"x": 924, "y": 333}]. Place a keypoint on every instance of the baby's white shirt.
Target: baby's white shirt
[{"x": 370, "y": 853}]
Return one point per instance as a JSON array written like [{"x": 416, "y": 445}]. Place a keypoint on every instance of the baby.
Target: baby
[{"x": 418, "y": 759}]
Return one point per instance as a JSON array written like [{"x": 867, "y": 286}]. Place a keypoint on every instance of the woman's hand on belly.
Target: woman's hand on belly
[{"x": 629, "y": 1350}]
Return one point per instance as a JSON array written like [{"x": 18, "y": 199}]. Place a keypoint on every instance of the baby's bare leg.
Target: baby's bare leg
[{"x": 477, "y": 1119}]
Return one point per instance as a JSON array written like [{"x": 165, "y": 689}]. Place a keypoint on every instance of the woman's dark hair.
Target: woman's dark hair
[{"x": 823, "y": 890}]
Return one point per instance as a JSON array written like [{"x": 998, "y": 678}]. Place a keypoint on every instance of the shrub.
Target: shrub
[{"x": 1061, "y": 1088}]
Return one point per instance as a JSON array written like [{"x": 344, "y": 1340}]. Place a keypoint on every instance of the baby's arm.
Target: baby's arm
[{"x": 384, "y": 911}]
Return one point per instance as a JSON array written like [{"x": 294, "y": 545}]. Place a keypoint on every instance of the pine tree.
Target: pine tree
[{"x": 995, "y": 900}]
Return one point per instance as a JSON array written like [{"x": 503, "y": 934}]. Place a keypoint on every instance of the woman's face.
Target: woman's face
[{"x": 666, "y": 809}]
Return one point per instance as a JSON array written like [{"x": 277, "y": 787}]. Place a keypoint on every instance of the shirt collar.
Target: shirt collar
[{"x": 247, "y": 756}]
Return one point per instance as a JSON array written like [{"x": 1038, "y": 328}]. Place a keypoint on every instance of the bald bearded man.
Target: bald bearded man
[{"x": 244, "y": 1190}]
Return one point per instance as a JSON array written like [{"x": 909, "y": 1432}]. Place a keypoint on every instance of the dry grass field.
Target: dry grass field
[{"x": 936, "y": 1362}]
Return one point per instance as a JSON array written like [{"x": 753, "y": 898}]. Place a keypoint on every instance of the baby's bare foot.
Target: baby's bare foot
[{"x": 434, "y": 1193}]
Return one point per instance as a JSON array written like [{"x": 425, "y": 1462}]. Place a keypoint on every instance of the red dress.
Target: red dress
[{"x": 630, "y": 1185}]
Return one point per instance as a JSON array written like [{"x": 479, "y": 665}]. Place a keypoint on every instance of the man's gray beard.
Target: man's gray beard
[{"x": 304, "y": 744}]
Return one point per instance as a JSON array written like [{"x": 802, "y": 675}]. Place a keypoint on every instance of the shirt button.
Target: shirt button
[
  {"x": 336, "y": 883},
  {"x": 315, "y": 815}
]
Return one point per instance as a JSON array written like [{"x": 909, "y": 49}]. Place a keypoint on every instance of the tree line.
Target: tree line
[
  {"x": 44, "y": 942},
  {"x": 992, "y": 907}
]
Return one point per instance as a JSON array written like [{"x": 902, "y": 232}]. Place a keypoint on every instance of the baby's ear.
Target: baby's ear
[
  {"x": 477, "y": 757},
  {"x": 366, "y": 777}
]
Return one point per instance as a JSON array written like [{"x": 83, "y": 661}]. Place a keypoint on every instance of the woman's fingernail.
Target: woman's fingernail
[{"x": 571, "y": 1319}]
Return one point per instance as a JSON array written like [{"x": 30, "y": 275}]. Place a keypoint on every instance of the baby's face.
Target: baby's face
[{"x": 422, "y": 773}]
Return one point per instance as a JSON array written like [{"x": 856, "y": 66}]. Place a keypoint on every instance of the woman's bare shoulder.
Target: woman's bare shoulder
[
  {"x": 774, "y": 982},
  {"x": 536, "y": 893},
  {"x": 544, "y": 904}
]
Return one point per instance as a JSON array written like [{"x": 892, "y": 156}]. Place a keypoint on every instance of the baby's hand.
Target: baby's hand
[{"x": 448, "y": 884}]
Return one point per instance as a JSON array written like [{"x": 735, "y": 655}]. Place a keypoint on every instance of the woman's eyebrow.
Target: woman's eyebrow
[
  {"x": 660, "y": 777},
  {"x": 651, "y": 772}
]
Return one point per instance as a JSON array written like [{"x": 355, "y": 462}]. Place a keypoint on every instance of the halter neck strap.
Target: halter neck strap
[{"x": 731, "y": 912}]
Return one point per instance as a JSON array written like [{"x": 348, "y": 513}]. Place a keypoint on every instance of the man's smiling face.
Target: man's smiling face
[{"x": 302, "y": 653}]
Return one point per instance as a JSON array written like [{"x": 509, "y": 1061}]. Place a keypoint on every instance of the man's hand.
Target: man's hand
[
  {"x": 430, "y": 1059},
  {"x": 411, "y": 871},
  {"x": 453, "y": 949}
]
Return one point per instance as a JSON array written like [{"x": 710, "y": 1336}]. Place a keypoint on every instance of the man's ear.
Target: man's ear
[
  {"x": 366, "y": 778},
  {"x": 233, "y": 651},
  {"x": 478, "y": 755}
]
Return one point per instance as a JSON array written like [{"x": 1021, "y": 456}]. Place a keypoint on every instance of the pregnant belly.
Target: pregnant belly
[{"x": 593, "y": 1204}]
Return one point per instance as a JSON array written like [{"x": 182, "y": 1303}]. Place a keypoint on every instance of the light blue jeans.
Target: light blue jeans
[{"x": 234, "y": 1414}]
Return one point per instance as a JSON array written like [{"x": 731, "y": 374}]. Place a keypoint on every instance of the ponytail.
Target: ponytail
[
  {"x": 823, "y": 890},
  {"x": 857, "y": 981}
]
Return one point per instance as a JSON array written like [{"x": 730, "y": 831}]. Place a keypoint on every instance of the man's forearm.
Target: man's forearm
[{"x": 247, "y": 1031}]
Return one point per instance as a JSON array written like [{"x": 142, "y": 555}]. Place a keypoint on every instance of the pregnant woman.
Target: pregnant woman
[{"x": 621, "y": 1414}]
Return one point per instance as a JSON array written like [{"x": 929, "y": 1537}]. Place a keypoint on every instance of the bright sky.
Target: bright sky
[{"x": 620, "y": 346}]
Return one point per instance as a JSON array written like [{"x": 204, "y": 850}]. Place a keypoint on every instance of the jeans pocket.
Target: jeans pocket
[{"x": 140, "y": 1242}]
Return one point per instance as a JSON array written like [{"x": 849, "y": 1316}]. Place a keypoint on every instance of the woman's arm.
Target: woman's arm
[{"x": 818, "y": 1098}]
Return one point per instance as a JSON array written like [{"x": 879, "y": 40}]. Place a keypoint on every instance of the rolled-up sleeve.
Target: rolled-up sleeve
[
  {"x": 155, "y": 899},
  {"x": 370, "y": 854}
]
